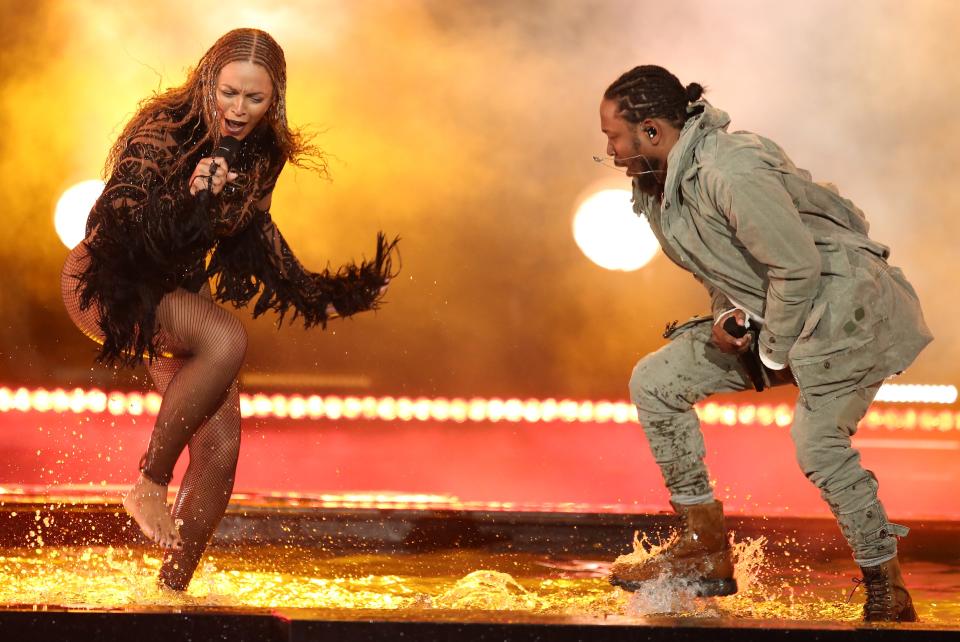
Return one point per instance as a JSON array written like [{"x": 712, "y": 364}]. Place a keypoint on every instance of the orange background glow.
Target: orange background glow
[{"x": 467, "y": 128}]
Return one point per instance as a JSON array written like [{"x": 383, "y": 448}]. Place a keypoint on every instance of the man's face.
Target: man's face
[{"x": 628, "y": 149}]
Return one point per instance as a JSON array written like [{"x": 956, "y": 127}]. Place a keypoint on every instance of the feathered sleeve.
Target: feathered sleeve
[
  {"x": 258, "y": 263},
  {"x": 143, "y": 239}
]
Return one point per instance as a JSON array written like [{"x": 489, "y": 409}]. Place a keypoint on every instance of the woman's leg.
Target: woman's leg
[
  {"x": 209, "y": 344},
  {"x": 146, "y": 502},
  {"x": 208, "y": 482},
  {"x": 205, "y": 489}
]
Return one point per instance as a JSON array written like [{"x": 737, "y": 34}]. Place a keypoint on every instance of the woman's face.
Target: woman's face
[{"x": 244, "y": 94}]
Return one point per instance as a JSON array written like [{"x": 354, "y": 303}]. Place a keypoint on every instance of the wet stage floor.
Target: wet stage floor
[
  {"x": 448, "y": 583},
  {"x": 476, "y": 579}
]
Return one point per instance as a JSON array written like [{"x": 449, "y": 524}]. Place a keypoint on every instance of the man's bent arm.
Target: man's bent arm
[{"x": 768, "y": 224}]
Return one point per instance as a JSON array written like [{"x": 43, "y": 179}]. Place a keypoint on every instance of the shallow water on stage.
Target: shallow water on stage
[{"x": 450, "y": 585}]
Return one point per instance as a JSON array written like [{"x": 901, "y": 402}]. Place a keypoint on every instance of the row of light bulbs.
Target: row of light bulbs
[{"x": 334, "y": 407}]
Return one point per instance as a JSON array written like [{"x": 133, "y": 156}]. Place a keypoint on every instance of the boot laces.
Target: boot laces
[
  {"x": 879, "y": 593},
  {"x": 684, "y": 524},
  {"x": 856, "y": 584}
]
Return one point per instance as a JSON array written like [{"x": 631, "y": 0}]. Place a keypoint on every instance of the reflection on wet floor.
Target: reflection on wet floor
[{"x": 774, "y": 584}]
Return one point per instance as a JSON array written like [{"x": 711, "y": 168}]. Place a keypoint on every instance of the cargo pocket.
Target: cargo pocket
[{"x": 674, "y": 330}]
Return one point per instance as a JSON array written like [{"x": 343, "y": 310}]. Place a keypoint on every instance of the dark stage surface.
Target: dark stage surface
[{"x": 306, "y": 569}]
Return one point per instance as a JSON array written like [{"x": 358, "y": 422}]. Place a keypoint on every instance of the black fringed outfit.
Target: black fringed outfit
[
  {"x": 145, "y": 238},
  {"x": 139, "y": 284}
]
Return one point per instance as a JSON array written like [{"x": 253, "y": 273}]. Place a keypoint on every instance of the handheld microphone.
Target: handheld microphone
[
  {"x": 200, "y": 224},
  {"x": 197, "y": 225},
  {"x": 227, "y": 150},
  {"x": 749, "y": 360}
]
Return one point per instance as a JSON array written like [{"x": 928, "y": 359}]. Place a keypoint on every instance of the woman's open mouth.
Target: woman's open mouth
[{"x": 233, "y": 127}]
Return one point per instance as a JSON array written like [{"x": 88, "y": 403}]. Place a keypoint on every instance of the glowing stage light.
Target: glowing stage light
[
  {"x": 70, "y": 216},
  {"x": 611, "y": 235},
  {"x": 531, "y": 411}
]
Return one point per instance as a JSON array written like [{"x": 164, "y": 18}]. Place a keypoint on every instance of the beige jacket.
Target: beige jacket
[{"x": 755, "y": 229}]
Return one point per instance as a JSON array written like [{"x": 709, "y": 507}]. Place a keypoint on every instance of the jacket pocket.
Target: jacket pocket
[
  {"x": 823, "y": 349},
  {"x": 834, "y": 261},
  {"x": 826, "y": 377},
  {"x": 813, "y": 320}
]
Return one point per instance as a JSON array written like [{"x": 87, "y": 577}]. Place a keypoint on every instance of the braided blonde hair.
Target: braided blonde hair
[{"x": 196, "y": 99}]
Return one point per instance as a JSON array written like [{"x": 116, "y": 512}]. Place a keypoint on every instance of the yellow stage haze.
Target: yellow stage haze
[{"x": 468, "y": 128}]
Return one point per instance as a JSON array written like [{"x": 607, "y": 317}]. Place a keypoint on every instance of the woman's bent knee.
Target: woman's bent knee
[{"x": 229, "y": 348}]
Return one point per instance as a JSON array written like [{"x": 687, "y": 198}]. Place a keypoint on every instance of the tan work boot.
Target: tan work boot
[
  {"x": 887, "y": 596},
  {"x": 699, "y": 553}
]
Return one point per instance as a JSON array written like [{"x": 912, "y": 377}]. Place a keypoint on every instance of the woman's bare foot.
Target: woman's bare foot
[{"x": 146, "y": 503}]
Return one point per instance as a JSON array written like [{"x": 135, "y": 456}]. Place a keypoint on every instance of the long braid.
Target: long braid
[{"x": 650, "y": 91}]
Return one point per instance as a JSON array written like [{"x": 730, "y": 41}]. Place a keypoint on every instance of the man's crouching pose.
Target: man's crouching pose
[{"x": 790, "y": 260}]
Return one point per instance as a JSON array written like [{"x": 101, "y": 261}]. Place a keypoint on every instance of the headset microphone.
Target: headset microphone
[
  {"x": 600, "y": 161},
  {"x": 597, "y": 159}
]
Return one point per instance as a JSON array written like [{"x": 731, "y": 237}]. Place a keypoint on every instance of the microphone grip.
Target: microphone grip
[
  {"x": 734, "y": 329},
  {"x": 227, "y": 150},
  {"x": 749, "y": 360},
  {"x": 201, "y": 201}
]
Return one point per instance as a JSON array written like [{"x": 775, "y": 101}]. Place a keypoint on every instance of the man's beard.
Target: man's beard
[
  {"x": 648, "y": 183},
  {"x": 651, "y": 171}
]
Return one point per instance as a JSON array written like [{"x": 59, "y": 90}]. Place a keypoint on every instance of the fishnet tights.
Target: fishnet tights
[
  {"x": 203, "y": 347},
  {"x": 207, "y": 484}
]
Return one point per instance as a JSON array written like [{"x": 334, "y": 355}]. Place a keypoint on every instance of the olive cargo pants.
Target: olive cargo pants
[{"x": 666, "y": 384}]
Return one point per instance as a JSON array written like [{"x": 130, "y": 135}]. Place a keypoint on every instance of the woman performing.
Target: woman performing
[{"x": 174, "y": 214}]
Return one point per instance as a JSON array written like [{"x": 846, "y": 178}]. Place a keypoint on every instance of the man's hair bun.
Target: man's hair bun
[{"x": 694, "y": 92}]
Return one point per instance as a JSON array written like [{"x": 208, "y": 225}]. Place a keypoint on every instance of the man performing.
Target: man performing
[{"x": 791, "y": 261}]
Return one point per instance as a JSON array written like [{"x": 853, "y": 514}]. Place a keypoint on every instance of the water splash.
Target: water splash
[
  {"x": 750, "y": 565},
  {"x": 764, "y": 591},
  {"x": 486, "y": 590},
  {"x": 99, "y": 577},
  {"x": 645, "y": 548},
  {"x": 668, "y": 595}
]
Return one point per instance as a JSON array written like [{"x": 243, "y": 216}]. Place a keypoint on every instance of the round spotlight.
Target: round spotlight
[
  {"x": 611, "y": 234},
  {"x": 70, "y": 217}
]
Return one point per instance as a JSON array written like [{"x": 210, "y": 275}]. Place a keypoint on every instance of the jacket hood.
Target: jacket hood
[{"x": 704, "y": 120}]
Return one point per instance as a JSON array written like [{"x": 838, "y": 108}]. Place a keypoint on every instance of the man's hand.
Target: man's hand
[{"x": 727, "y": 342}]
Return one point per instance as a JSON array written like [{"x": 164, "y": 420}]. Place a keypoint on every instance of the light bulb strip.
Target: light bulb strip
[{"x": 406, "y": 409}]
